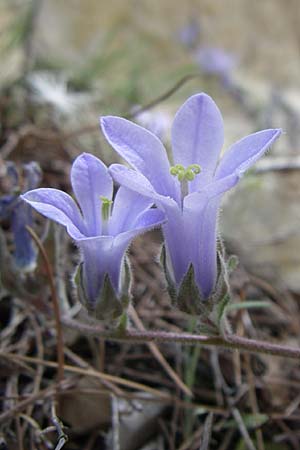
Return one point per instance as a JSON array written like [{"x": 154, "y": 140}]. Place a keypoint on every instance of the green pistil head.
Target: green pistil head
[
  {"x": 106, "y": 206},
  {"x": 177, "y": 170},
  {"x": 195, "y": 168},
  {"x": 187, "y": 174}
]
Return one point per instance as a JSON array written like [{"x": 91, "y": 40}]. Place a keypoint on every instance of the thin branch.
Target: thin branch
[
  {"x": 164, "y": 96},
  {"x": 243, "y": 430},
  {"x": 62, "y": 437},
  {"x": 55, "y": 304},
  {"x": 158, "y": 355},
  {"x": 232, "y": 341},
  {"x": 162, "y": 396},
  {"x": 93, "y": 128},
  {"x": 41, "y": 395}
]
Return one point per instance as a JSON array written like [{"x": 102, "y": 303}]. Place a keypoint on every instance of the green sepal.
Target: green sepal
[
  {"x": 210, "y": 312},
  {"x": 232, "y": 263},
  {"x": 171, "y": 286},
  {"x": 189, "y": 298},
  {"x": 221, "y": 296},
  {"x": 109, "y": 308}
]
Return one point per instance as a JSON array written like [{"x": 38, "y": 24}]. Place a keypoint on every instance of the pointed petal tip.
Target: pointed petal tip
[
  {"x": 198, "y": 132},
  {"x": 102, "y": 121},
  {"x": 202, "y": 98},
  {"x": 112, "y": 125},
  {"x": 88, "y": 158},
  {"x": 276, "y": 132},
  {"x": 106, "y": 122},
  {"x": 30, "y": 196},
  {"x": 23, "y": 197}
]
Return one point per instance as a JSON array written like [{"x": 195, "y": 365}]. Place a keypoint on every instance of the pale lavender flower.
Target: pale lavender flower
[
  {"x": 216, "y": 61},
  {"x": 158, "y": 122},
  {"x": 19, "y": 214},
  {"x": 191, "y": 196},
  {"x": 102, "y": 229},
  {"x": 189, "y": 34}
]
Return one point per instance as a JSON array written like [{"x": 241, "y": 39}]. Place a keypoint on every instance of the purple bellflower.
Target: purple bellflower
[
  {"x": 101, "y": 228},
  {"x": 19, "y": 214},
  {"x": 190, "y": 191},
  {"x": 158, "y": 122},
  {"x": 189, "y": 34},
  {"x": 216, "y": 61}
]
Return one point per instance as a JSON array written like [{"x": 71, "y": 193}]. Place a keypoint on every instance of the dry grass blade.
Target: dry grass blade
[
  {"x": 161, "y": 396},
  {"x": 243, "y": 430},
  {"x": 158, "y": 355},
  {"x": 92, "y": 373},
  {"x": 42, "y": 394},
  {"x": 207, "y": 432}
]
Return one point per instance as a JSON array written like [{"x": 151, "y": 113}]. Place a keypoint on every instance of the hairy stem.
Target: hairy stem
[{"x": 230, "y": 341}]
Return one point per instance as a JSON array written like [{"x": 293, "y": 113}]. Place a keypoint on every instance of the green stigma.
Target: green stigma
[
  {"x": 106, "y": 207},
  {"x": 185, "y": 174}
]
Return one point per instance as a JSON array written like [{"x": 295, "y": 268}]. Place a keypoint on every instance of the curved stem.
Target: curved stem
[
  {"x": 131, "y": 115},
  {"x": 230, "y": 341},
  {"x": 55, "y": 304}
]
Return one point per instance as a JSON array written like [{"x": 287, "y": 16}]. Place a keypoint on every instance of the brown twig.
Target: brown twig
[
  {"x": 42, "y": 394},
  {"x": 162, "y": 396},
  {"x": 165, "y": 95},
  {"x": 93, "y": 128},
  {"x": 55, "y": 304},
  {"x": 158, "y": 355}
]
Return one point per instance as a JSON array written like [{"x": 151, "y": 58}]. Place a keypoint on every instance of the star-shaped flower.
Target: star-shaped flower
[
  {"x": 188, "y": 192},
  {"x": 101, "y": 228}
]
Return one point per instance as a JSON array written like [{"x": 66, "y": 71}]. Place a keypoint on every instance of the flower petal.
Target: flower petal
[
  {"x": 152, "y": 218},
  {"x": 91, "y": 181},
  {"x": 128, "y": 205},
  {"x": 97, "y": 254},
  {"x": 201, "y": 223},
  {"x": 214, "y": 189},
  {"x": 244, "y": 153},
  {"x": 198, "y": 135},
  {"x": 178, "y": 256},
  {"x": 136, "y": 182},
  {"x": 146, "y": 221},
  {"x": 25, "y": 251},
  {"x": 58, "y": 206},
  {"x": 143, "y": 150},
  {"x": 200, "y": 218},
  {"x": 174, "y": 228}
]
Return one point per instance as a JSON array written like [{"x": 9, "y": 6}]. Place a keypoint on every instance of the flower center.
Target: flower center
[
  {"x": 105, "y": 212},
  {"x": 184, "y": 175}
]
